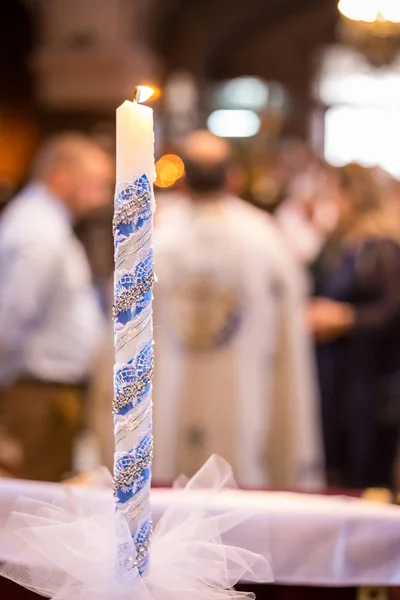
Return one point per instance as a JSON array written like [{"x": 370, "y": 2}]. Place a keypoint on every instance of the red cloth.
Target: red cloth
[{"x": 11, "y": 591}]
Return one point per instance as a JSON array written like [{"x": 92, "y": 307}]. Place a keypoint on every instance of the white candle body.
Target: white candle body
[
  {"x": 135, "y": 142},
  {"x": 134, "y": 277}
]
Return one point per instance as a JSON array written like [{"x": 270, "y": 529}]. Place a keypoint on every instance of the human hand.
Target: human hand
[{"x": 328, "y": 319}]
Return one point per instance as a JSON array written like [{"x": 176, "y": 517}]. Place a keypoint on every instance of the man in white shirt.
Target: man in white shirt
[
  {"x": 234, "y": 372},
  {"x": 50, "y": 319}
]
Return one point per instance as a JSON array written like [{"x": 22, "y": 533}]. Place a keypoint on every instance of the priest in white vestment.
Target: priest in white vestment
[{"x": 234, "y": 371}]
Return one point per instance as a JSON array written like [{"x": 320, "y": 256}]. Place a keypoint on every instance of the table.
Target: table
[{"x": 313, "y": 541}]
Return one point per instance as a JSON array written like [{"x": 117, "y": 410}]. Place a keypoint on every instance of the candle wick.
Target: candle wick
[{"x": 136, "y": 95}]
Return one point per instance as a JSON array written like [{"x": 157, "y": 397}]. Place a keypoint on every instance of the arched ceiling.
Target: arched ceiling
[{"x": 212, "y": 37}]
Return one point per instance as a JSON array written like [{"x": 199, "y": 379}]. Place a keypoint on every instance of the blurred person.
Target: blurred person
[
  {"x": 10, "y": 455},
  {"x": 99, "y": 417},
  {"x": 50, "y": 319},
  {"x": 95, "y": 233},
  {"x": 6, "y": 192},
  {"x": 234, "y": 371},
  {"x": 296, "y": 157},
  {"x": 356, "y": 321},
  {"x": 307, "y": 214}
]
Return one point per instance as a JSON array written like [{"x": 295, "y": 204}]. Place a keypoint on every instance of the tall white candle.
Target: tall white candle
[
  {"x": 134, "y": 277},
  {"x": 135, "y": 141}
]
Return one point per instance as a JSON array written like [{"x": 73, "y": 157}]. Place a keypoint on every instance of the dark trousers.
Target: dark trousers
[
  {"x": 43, "y": 419},
  {"x": 360, "y": 452}
]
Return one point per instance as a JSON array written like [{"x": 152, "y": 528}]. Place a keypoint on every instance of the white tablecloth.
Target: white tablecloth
[{"x": 311, "y": 540}]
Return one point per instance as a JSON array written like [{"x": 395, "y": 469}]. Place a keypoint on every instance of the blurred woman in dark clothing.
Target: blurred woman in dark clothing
[{"x": 356, "y": 320}]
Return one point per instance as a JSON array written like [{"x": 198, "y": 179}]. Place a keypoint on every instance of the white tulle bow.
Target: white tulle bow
[{"x": 85, "y": 552}]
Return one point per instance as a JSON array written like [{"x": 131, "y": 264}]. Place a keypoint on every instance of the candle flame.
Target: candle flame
[{"x": 142, "y": 93}]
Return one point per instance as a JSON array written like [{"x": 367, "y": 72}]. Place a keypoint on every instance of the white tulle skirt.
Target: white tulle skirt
[{"x": 70, "y": 550}]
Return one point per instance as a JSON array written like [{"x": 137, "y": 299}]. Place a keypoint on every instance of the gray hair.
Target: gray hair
[{"x": 64, "y": 149}]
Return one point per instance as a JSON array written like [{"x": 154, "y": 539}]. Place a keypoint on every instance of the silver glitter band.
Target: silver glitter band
[
  {"x": 132, "y": 295},
  {"x": 131, "y": 392},
  {"x": 128, "y": 475},
  {"x": 130, "y": 208},
  {"x": 142, "y": 551}
]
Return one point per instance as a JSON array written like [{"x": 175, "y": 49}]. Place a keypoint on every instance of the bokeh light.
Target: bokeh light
[
  {"x": 169, "y": 169},
  {"x": 390, "y": 10},
  {"x": 359, "y": 10},
  {"x": 370, "y": 10},
  {"x": 234, "y": 123},
  {"x": 243, "y": 93}
]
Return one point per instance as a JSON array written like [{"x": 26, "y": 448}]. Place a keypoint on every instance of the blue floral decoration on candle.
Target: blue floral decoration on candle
[
  {"x": 142, "y": 542},
  {"x": 126, "y": 379},
  {"x": 133, "y": 209},
  {"x": 132, "y": 470},
  {"x": 132, "y": 227},
  {"x": 133, "y": 291}
]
